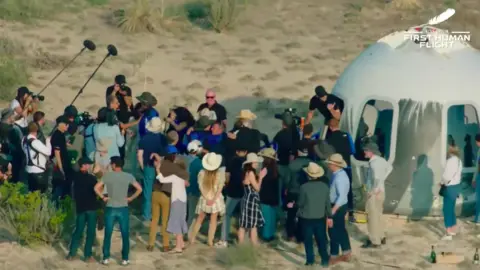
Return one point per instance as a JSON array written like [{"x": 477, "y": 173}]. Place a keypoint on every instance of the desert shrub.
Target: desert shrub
[
  {"x": 223, "y": 14},
  {"x": 245, "y": 255},
  {"x": 32, "y": 217},
  {"x": 140, "y": 16}
]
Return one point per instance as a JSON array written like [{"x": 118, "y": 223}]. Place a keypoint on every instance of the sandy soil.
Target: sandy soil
[
  {"x": 408, "y": 247},
  {"x": 279, "y": 51}
]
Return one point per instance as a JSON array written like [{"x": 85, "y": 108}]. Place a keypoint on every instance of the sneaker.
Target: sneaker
[
  {"x": 125, "y": 262},
  {"x": 105, "y": 261},
  {"x": 447, "y": 237},
  {"x": 221, "y": 244}
]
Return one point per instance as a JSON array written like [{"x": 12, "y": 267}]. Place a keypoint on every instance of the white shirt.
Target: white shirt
[
  {"x": 38, "y": 157},
  {"x": 378, "y": 171},
  {"x": 22, "y": 122},
  {"x": 179, "y": 191},
  {"x": 452, "y": 174}
]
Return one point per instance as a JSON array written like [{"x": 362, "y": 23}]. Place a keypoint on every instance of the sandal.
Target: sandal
[{"x": 175, "y": 251}]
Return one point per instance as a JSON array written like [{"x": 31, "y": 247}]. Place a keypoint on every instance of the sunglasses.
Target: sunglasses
[{"x": 210, "y": 97}]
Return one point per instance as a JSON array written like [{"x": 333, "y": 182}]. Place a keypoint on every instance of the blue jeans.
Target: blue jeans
[
  {"x": 121, "y": 215},
  {"x": 449, "y": 199},
  {"x": 230, "y": 206},
  {"x": 270, "y": 215},
  {"x": 315, "y": 228},
  {"x": 88, "y": 218},
  {"x": 338, "y": 233},
  {"x": 477, "y": 197},
  {"x": 148, "y": 180}
]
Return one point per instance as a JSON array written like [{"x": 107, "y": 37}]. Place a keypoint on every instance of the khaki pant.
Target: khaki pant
[
  {"x": 376, "y": 223},
  {"x": 160, "y": 205}
]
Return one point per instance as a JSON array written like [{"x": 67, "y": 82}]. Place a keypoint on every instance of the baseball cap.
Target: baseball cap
[
  {"x": 171, "y": 150},
  {"x": 320, "y": 91},
  {"x": 194, "y": 146},
  {"x": 120, "y": 79},
  {"x": 84, "y": 161}
]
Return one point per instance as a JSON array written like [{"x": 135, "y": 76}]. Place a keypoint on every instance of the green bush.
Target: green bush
[
  {"x": 223, "y": 14},
  {"x": 140, "y": 16},
  {"x": 245, "y": 255},
  {"x": 32, "y": 217}
]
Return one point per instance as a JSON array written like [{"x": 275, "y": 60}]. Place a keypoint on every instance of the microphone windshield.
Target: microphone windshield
[
  {"x": 89, "y": 45},
  {"x": 112, "y": 50}
]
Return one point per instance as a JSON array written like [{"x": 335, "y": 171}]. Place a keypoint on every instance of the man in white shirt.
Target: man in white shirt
[
  {"x": 378, "y": 171},
  {"x": 37, "y": 154}
]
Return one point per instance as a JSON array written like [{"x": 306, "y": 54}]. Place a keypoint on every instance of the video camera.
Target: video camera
[
  {"x": 84, "y": 119},
  {"x": 292, "y": 112}
]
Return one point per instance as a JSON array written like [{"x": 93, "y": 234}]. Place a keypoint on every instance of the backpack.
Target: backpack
[{"x": 28, "y": 145}]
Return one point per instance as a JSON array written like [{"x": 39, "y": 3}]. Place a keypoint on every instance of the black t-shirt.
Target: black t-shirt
[
  {"x": 341, "y": 142},
  {"x": 152, "y": 143},
  {"x": 269, "y": 190},
  {"x": 317, "y": 103},
  {"x": 234, "y": 188},
  {"x": 83, "y": 192},
  {"x": 59, "y": 142},
  {"x": 219, "y": 110},
  {"x": 285, "y": 145},
  {"x": 248, "y": 139},
  {"x": 123, "y": 112}
]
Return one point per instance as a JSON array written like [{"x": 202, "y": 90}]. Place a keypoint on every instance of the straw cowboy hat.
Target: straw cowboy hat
[
  {"x": 156, "y": 125},
  {"x": 252, "y": 158},
  {"x": 337, "y": 160},
  {"x": 102, "y": 145},
  {"x": 268, "y": 153},
  {"x": 247, "y": 115},
  {"x": 314, "y": 170},
  {"x": 211, "y": 161}
]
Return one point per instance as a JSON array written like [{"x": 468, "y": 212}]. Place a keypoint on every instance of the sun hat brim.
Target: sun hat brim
[
  {"x": 343, "y": 164},
  {"x": 258, "y": 160},
  {"x": 267, "y": 156},
  {"x": 319, "y": 174}
]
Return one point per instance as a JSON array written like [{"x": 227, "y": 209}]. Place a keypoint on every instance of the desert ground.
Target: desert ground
[{"x": 271, "y": 59}]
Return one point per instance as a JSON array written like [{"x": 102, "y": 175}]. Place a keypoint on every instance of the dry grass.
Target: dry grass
[
  {"x": 139, "y": 17},
  {"x": 406, "y": 4}
]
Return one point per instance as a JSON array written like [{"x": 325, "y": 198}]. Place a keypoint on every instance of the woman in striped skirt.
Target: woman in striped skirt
[{"x": 251, "y": 216}]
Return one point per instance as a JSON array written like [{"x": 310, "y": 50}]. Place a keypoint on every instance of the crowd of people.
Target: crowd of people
[{"x": 195, "y": 169}]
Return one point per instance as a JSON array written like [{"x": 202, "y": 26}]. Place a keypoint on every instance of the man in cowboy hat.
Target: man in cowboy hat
[
  {"x": 315, "y": 213},
  {"x": 339, "y": 188},
  {"x": 246, "y": 134},
  {"x": 152, "y": 142},
  {"x": 378, "y": 171},
  {"x": 148, "y": 102},
  {"x": 212, "y": 105}
]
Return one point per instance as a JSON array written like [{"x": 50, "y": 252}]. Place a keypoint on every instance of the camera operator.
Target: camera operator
[
  {"x": 37, "y": 154},
  {"x": 21, "y": 106},
  {"x": 101, "y": 129},
  {"x": 39, "y": 119},
  {"x": 123, "y": 94}
]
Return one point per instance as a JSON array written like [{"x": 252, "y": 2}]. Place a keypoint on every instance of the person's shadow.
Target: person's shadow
[{"x": 421, "y": 189}]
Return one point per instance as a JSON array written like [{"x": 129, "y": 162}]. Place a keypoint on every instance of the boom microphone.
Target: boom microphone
[
  {"x": 87, "y": 44},
  {"x": 112, "y": 51}
]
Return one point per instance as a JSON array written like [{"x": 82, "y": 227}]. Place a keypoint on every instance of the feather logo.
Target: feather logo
[{"x": 442, "y": 17}]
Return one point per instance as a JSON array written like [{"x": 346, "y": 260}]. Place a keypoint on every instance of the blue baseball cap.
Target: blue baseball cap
[{"x": 172, "y": 150}]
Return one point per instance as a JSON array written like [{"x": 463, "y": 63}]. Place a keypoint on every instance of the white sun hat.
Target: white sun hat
[{"x": 211, "y": 161}]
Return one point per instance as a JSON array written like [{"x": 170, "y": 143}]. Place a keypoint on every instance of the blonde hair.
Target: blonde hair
[
  {"x": 453, "y": 150},
  {"x": 209, "y": 180}
]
